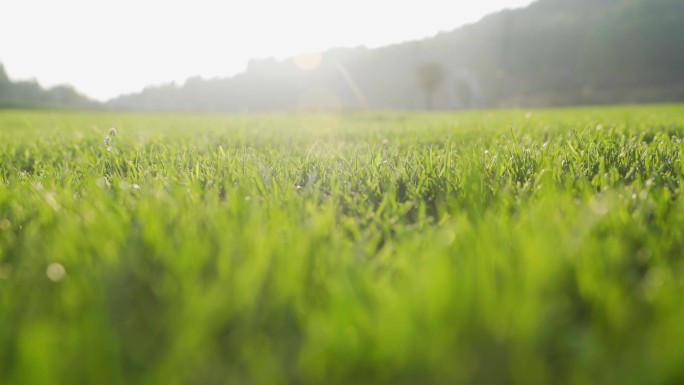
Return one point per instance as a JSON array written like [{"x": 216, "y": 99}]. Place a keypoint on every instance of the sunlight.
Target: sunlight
[{"x": 308, "y": 61}]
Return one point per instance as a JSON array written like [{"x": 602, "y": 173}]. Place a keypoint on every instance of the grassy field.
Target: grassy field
[{"x": 511, "y": 247}]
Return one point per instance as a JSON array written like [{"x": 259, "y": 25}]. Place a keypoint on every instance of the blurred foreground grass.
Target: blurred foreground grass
[{"x": 476, "y": 248}]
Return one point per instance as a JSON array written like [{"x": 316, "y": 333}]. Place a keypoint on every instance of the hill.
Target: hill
[{"x": 552, "y": 53}]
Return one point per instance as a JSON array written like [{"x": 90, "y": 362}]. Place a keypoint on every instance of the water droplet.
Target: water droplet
[{"x": 55, "y": 272}]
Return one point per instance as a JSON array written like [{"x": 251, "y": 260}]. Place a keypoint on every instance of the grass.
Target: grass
[{"x": 476, "y": 248}]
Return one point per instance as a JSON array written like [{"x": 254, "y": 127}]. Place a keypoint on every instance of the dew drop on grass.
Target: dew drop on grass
[
  {"x": 599, "y": 207},
  {"x": 55, "y": 272}
]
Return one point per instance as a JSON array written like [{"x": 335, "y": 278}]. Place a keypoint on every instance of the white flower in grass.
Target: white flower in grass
[
  {"x": 113, "y": 132},
  {"x": 107, "y": 140}
]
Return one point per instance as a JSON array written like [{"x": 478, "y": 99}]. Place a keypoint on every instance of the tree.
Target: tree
[
  {"x": 3, "y": 75},
  {"x": 430, "y": 77}
]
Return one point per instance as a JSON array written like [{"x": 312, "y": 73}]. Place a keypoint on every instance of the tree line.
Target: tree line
[
  {"x": 29, "y": 94},
  {"x": 552, "y": 53}
]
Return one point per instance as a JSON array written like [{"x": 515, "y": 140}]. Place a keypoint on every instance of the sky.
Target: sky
[{"x": 110, "y": 47}]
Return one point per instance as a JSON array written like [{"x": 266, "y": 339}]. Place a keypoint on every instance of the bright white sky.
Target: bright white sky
[{"x": 108, "y": 47}]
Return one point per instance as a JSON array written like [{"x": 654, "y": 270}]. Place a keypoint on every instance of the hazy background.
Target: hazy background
[
  {"x": 216, "y": 56},
  {"x": 106, "y": 48}
]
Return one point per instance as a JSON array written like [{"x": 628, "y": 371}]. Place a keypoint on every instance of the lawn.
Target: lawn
[{"x": 486, "y": 247}]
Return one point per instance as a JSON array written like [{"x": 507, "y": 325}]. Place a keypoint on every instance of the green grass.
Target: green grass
[{"x": 473, "y": 248}]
